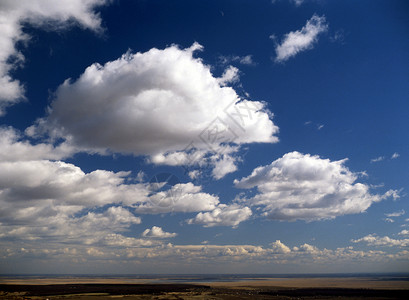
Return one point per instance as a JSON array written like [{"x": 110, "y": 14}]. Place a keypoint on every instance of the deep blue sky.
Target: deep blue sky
[{"x": 343, "y": 96}]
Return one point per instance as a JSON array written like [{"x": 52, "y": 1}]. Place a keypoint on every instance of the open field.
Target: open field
[{"x": 263, "y": 288}]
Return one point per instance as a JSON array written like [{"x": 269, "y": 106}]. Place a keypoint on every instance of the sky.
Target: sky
[{"x": 224, "y": 136}]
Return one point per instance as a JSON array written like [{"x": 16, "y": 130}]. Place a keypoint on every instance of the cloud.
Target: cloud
[
  {"x": 14, "y": 14},
  {"x": 297, "y": 2},
  {"x": 404, "y": 232},
  {"x": 395, "y": 155},
  {"x": 182, "y": 197},
  {"x": 157, "y": 232},
  {"x": 222, "y": 215},
  {"x": 377, "y": 159},
  {"x": 279, "y": 247},
  {"x": 230, "y": 75},
  {"x": 244, "y": 60},
  {"x": 160, "y": 103},
  {"x": 306, "y": 187},
  {"x": 395, "y": 214},
  {"x": 301, "y": 40},
  {"x": 374, "y": 240},
  {"x": 53, "y": 199},
  {"x": 14, "y": 146}
]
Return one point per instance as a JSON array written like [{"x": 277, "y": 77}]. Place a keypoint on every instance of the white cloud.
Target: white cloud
[
  {"x": 156, "y": 103},
  {"x": 224, "y": 166},
  {"x": 222, "y": 215},
  {"x": 182, "y": 197},
  {"x": 374, "y": 240},
  {"x": 395, "y": 214},
  {"x": 230, "y": 75},
  {"x": 306, "y": 187},
  {"x": 157, "y": 232},
  {"x": 377, "y": 159},
  {"x": 279, "y": 247},
  {"x": 404, "y": 232},
  {"x": 389, "y": 220},
  {"x": 395, "y": 155},
  {"x": 13, "y": 147},
  {"x": 301, "y": 40},
  {"x": 39, "y": 14},
  {"x": 40, "y": 199}
]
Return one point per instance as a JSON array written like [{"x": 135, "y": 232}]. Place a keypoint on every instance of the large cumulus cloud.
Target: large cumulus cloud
[
  {"x": 158, "y": 103},
  {"x": 306, "y": 187}
]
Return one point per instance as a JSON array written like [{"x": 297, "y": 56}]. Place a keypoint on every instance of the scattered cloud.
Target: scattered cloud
[
  {"x": 307, "y": 187},
  {"x": 297, "y": 2},
  {"x": 14, "y": 146},
  {"x": 14, "y": 14},
  {"x": 395, "y": 214},
  {"x": 244, "y": 60},
  {"x": 389, "y": 220},
  {"x": 223, "y": 215},
  {"x": 157, "y": 232},
  {"x": 377, "y": 159},
  {"x": 279, "y": 247},
  {"x": 301, "y": 40},
  {"x": 230, "y": 75},
  {"x": 374, "y": 240},
  {"x": 395, "y": 155},
  {"x": 404, "y": 232},
  {"x": 161, "y": 103}
]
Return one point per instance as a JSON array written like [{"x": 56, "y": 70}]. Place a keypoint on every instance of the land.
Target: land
[{"x": 271, "y": 288}]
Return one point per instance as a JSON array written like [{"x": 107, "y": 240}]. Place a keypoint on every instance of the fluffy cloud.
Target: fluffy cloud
[
  {"x": 279, "y": 247},
  {"x": 13, "y": 14},
  {"x": 301, "y": 40},
  {"x": 306, "y": 187},
  {"x": 13, "y": 147},
  {"x": 159, "y": 103},
  {"x": 157, "y": 232},
  {"x": 182, "y": 197},
  {"x": 374, "y": 240},
  {"x": 53, "y": 199},
  {"x": 404, "y": 232},
  {"x": 222, "y": 215}
]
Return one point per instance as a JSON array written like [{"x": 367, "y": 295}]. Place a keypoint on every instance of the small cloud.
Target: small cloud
[
  {"x": 320, "y": 126},
  {"x": 389, "y": 220},
  {"x": 395, "y": 155},
  {"x": 404, "y": 232},
  {"x": 297, "y": 2},
  {"x": 301, "y": 40},
  {"x": 395, "y": 214},
  {"x": 157, "y": 232},
  {"x": 244, "y": 60},
  {"x": 377, "y": 159},
  {"x": 338, "y": 37}
]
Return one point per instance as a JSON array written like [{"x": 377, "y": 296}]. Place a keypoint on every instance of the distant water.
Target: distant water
[{"x": 178, "y": 278}]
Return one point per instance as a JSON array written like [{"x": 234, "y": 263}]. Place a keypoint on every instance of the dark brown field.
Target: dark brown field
[{"x": 277, "y": 288}]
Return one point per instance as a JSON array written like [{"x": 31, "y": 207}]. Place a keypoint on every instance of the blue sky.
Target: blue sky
[{"x": 204, "y": 136}]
